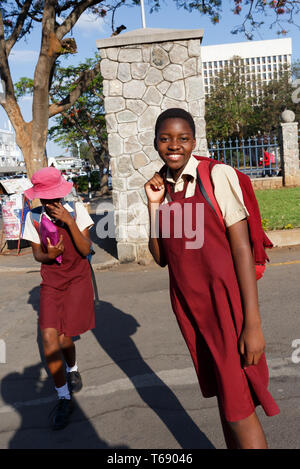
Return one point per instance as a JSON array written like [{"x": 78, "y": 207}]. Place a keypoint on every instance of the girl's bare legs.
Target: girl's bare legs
[
  {"x": 243, "y": 434},
  {"x": 68, "y": 349},
  {"x": 53, "y": 356}
]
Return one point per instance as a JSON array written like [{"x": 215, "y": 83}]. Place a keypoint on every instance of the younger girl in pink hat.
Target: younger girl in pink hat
[{"x": 66, "y": 299}]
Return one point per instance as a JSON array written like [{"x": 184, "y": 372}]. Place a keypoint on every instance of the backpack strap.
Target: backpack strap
[
  {"x": 206, "y": 187},
  {"x": 35, "y": 215}
]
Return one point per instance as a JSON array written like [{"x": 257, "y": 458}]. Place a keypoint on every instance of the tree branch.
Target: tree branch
[
  {"x": 10, "y": 104},
  {"x": 82, "y": 84},
  {"x": 18, "y": 27},
  {"x": 73, "y": 17}
]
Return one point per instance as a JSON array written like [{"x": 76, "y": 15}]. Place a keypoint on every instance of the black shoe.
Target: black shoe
[
  {"x": 74, "y": 381},
  {"x": 62, "y": 412}
]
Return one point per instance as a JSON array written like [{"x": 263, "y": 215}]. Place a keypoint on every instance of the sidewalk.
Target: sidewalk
[
  {"x": 105, "y": 249},
  {"x": 105, "y": 255}
]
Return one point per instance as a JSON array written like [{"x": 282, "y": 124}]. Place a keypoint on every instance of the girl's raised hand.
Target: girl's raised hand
[
  {"x": 155, "y": 189},
  {"x": 57, "y": 250},
  {"x": 60, "y": 213}
]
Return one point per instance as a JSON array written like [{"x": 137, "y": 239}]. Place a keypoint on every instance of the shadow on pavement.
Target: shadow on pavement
[
  {"x": 109, "y": 244},
  {"x": 113, "y": 331},
  {"x": 34, "y": 398}
]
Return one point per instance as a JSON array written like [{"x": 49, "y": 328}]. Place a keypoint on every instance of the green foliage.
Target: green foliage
[
  {"x": 23, "y": 87},
  {"x": 84, "y": 122},
  {"x": 83, "y": 182},
  {"x": 229, "y": 105}
]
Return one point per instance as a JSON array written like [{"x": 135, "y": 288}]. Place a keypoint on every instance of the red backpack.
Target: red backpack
[{"x": 258, "y": 238}]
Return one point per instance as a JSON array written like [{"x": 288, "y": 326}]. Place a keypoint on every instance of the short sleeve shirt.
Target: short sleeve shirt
[
  {"x": 83, "y": 221},
  {"x": 227, "y": 189}
]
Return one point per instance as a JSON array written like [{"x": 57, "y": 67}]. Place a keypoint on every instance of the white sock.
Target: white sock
[
  {"x": 63, "y": 392},
  {"x": 72, "y": 368}
]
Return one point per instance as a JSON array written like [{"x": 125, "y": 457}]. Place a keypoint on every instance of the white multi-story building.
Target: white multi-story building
[
  {"x": 65, "y": 162},
  {"x": 262, "y": 59},
  {"x": 10, "y": 154}
]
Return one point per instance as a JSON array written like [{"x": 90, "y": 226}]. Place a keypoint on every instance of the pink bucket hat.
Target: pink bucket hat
[{"x": 48, "y": 183}]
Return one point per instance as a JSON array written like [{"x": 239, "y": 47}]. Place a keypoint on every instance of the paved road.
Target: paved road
[{"x": 140, "y": 389}]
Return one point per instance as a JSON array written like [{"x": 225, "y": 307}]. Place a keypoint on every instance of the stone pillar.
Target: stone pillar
[
  {"x": 145, "y": 72},
  {"x": 288, "y": 137}
]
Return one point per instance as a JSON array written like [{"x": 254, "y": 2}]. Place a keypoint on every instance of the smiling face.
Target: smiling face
[{"x": 175, "y": 142}]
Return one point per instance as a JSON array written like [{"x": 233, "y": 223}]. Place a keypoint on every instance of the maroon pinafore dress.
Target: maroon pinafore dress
[
  {"x": 206, "y": 300},
  {"x": 67, "y": 297}
]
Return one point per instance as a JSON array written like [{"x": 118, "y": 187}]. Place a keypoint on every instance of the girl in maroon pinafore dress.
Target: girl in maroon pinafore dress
[
  {"x": 67, "y": 297},
  {"x": 207, "y": 290}
]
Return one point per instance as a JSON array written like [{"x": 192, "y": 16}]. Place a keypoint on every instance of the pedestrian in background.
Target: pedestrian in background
[{"x": 66, "y": 298}]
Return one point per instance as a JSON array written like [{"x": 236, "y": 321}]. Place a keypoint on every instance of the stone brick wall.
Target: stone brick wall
[{"x": 139, "y": 82}]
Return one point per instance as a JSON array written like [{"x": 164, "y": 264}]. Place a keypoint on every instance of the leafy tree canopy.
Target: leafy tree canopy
[{"x": 241, "y": 105}]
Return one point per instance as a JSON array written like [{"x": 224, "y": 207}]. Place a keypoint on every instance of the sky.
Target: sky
[{"x": 87, "y": 30}]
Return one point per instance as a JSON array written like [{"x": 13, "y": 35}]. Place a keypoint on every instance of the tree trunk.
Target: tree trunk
[{"x": 102, "y": 163}]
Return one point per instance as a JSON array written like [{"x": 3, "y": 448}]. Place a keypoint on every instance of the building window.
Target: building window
[
  {"x": 280, "y": 58},
  {"x": 205, "y": 65},
  {"x": 220, "y": 63},
  {"x": 258, "y": 60},
  {"x": 210, "y": 64},
  {"x": 247, "y": 61},
  {"x": 263, "y": 60}
]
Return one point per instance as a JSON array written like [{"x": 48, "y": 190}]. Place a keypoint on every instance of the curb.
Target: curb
[
  {"x": 284, "y": 238},
  {"x": 279, "y": 238},
  {"x": 100, "y": 266}
]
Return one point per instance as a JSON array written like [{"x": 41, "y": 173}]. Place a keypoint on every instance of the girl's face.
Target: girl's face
[
  {"x": 175, "y": 142},
  {"x": 48, "y": 204}
]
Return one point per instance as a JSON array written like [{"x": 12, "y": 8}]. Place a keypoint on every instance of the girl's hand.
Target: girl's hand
[
  {"x": 251, "y": 344},
  {"x": 155, "y": 189},
  {"x": 57, "y": 250},
  {"x": 60, "y": 213}
]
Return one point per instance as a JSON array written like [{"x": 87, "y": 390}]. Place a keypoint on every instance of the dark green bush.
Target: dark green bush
[{"x": 83, "y": 183}]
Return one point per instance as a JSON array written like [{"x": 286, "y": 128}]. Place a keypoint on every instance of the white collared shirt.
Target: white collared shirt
[
  {"x": 83, "y": 220},
  {"x": 227, "y": 189}
]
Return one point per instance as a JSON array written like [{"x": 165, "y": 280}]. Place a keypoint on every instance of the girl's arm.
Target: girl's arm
[
  {"x": 80, "y": 238},
  {"x": 155, "y": 191},
  {"x": 52, "y": 251},
  {"x": 251, "y": 341}
]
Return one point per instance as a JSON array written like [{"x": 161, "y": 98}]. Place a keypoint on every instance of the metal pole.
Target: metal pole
[{"x": 143, "y": 14}]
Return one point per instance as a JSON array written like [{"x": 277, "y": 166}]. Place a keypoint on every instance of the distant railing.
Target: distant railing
[{"x": 256, "y": 157}]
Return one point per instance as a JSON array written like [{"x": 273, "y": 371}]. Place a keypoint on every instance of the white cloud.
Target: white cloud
[
  {"x": 89, "y": 23},
  {"x": 23, "y": 56}
]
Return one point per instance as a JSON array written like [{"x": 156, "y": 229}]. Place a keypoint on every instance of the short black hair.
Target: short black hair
[{"x": 175, "y": 113}]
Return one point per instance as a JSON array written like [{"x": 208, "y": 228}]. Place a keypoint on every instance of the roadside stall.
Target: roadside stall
[{"x": 14, "y": 208}]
